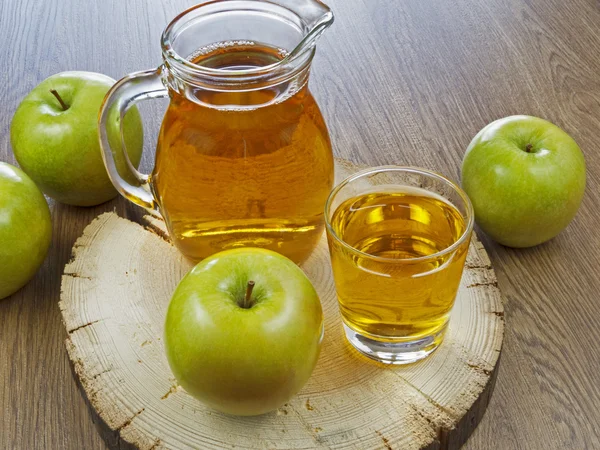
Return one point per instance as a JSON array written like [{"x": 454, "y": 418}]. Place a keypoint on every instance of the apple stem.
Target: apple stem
[
  {"x": 249, "y": 288},
  {"x": 528, "y": 148},
  {"x": 59, "y": 98}
]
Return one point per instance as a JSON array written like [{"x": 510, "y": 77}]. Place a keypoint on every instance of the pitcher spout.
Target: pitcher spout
[{"x": 315, "y": 16}]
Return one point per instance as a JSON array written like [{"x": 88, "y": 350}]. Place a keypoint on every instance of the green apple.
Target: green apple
[
  {"x": 243, "y": 331},
  {"x": 526, "y": 179},
  {"x": 55, "y": 139},
  {"x": 25, "y": 229}
]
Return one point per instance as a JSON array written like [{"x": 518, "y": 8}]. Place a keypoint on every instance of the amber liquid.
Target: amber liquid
[
  {"x": 243, "y": 168},
  {"x": 396, "y": 297}
]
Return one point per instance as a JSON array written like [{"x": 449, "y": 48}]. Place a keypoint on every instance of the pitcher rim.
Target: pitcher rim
[{"x": 305, "y": 49}]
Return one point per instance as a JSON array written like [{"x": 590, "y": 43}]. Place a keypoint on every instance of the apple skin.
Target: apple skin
[
  {"x": 25, "y": 229},
  {"x": 521, "y": 198},
  {"x": 60, "y": 149},
  {"x": 244, "y": 361}
]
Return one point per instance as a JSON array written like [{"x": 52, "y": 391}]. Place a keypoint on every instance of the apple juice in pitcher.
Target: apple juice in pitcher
[
  {"x": 243, "y": 155},
  {"x": 244, "y": 168}
]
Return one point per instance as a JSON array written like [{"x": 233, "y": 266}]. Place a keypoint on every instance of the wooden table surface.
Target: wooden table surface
[{"x": 405, "y": 82}]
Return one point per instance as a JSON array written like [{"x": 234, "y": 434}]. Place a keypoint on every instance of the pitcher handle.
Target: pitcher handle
[{"x": 135, "y": 87}]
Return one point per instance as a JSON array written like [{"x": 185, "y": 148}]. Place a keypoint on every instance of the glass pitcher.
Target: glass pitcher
[{"x": 243, "y": 156}]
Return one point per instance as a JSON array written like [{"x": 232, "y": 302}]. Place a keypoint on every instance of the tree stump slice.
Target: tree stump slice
[{"x": 114, "y": 297}]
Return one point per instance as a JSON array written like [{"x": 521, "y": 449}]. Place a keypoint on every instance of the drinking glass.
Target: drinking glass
[{"x": 398, "y": 238}]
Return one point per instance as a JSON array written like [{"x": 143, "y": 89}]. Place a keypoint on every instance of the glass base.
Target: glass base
[{"x": 395, "y": 352}]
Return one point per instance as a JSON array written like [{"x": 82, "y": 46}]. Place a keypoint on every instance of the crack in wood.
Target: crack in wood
[
  {"x": 470, "y": 356},
  {"x": 438, "y": 429},
  {"x": 173, "y": 389},
  {"x": 448, "y": 420},
  {"x": 128, "y": 421},
  {"x": 386, "y": 442},
  {"x": 83, "y": 326},
  {"x": 487, "y": 283},
  {"x": 102, "y": 373},
  {"x": 157, "y": 231},
  {"x": 155, "y": 444},
  {"x": 474, "y": 266},
  {"x": 77, "y": 275},
  {"x": 498, "y": 313},
  {"x": 478, "y": 368},
  {"x": 311, "y": 431},
  {"x": 451, "y": 415}
]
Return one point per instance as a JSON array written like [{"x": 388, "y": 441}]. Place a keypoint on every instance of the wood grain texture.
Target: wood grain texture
[
  {"x": 114, "y": 296},
  {"x": 406, "y": 82}
]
